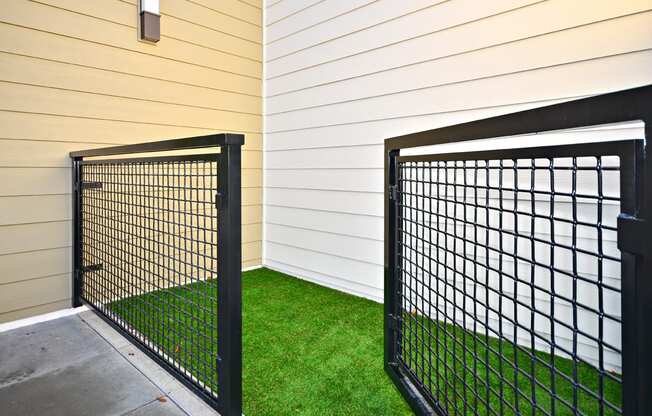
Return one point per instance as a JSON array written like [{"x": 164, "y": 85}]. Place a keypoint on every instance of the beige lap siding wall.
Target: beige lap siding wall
[
  {"x": 73, "y": 76},
  {"x": 342, "y": 75}
]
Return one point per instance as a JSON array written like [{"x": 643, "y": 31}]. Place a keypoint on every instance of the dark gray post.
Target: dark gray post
[
  {"x": 76, "y": 232},
  {"x": 637, "y": 370},
  {"x": 229, "y": 296},
  {"x": 391, "y": 234}
]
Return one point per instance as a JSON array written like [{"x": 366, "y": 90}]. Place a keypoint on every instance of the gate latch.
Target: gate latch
[
  {"x": 91, "y": 268},
  {"x": 394, "y": 322},
  {"x": 91, "y": 185},
  {"x": 631, "y": 234}
]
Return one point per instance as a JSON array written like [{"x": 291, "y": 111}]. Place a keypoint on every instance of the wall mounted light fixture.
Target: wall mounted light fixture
[{"x": 150, "y": 20}]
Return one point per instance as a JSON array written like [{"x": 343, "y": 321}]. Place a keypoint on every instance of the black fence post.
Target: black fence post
[
  {"x": 390, "y": 256},
  {"x": 640, "y": 399},
  {"x": 76, "y": 232},
  {"x": 229, "y": 296}
]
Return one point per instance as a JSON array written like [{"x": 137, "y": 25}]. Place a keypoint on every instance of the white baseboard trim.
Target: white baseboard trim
[
  {"x": 247, "y": 269},
  {"x": 8, "y": 326}
]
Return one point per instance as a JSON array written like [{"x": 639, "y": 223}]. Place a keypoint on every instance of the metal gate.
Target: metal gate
[
  {"x": 157, "y": 254},
  {"x": 515, "y": 279}
]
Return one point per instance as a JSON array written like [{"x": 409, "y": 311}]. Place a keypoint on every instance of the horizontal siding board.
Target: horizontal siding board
[
  {"x": 281, "y": 10},
  {"x": 19, "y": 295},
  {"x": 126, "y": 14},
  {"x": 35, "y": 310},
  {"x": 256, "y": 3},
  {"x": 250, "y": 164},
  {"x": 26, "y": 238},
  {"x": 45, "y": 208},
  {"x": 209, "y": 37},
  {"x": 28, "y": 98},
  {"x": 423, "y": 27},
  {"x": 299, "y": 25},
  {"x": 371, "y": 180},
  {"x": 565, "y": 81},
  {"x": 371, "y": 18},
  {"x": 32, "y": 209},
  {"x": 186, "y": 26},
  {"x": 31, "y": 153},
  {"x": 80, "y": 131},
  {"x": 252, "y": 264},
  {"x": 233, "y": 11},
  {"x": 366, "y": 227},
  {"x": 35, "y": 43},
  {"x": 345, "y": 202},
  {"x": 370, "y": 156},
  {"x": 35, "y": 71},
  {"x": 54, "y": 130},
  {"x": 374, "y": 132},
  {"x": 323, "y": 279},
  {"x": 543, "y": 17},
  {"x": 346, "y": 270},
  {"x": 367, "y": 203},
  {"x": 631, "y": 33},
  {"x": 352, "y": 180},
  {"x": 34, "y": 181},
  {"x": 196, "y": 13},
  {"x": 41, "y": 263},
  {"x": 365, "y": 250},
  {"x": 251, "y": 250},
  {"x": 235, "y": 8},
  {"x": 57, "y": 261},
  {"x": 63, "y": 22},
  {"x": 31, "y": 237},
  {"x": 378, "y": 131},
  {"x": 289, "y": 149}
]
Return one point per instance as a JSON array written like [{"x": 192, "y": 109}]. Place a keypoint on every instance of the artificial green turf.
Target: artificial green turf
[
  {"x": 310, "y": 350},
  {"x": 483, "y": 385}
]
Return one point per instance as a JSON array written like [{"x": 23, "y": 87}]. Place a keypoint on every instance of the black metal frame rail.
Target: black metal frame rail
[
  {"x": 227, "y": 200},
  {"x": 633, "y": 231}
]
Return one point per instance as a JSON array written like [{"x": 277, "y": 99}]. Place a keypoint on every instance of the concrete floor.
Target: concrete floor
[{"x": 79, "y": 365}]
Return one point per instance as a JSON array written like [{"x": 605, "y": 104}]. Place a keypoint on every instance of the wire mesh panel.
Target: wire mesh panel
[
  {"x": 508, "y": 278},
  {"x": 150, "y": 256}
]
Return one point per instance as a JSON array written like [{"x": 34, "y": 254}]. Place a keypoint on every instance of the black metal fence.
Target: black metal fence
[
  {"x": 517, "y": 281},
  {"x": 157, "y": 254}
]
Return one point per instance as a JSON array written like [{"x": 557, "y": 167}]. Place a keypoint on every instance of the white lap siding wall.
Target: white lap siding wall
[{"x": 341, "y": 76}]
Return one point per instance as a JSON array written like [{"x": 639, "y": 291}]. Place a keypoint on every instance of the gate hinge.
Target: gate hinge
[
  {"x": 91, "y": 268},
  {"x": 220, "y": 200},
  {"x": 91, "y": 185},
  {"x": 393, "y": 192},
  {"x": 632, "y": 234},
  {"x": 393, "y": 322}
]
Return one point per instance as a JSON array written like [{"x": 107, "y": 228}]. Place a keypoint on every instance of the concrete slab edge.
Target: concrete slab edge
[{"x": 170, "y": 386}]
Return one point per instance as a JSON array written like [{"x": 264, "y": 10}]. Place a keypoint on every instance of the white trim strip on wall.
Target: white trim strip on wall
[{"x": 20, "y": 323}]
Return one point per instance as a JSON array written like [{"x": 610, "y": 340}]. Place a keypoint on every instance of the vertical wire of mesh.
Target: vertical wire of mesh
[
  {"x": 152, "y": 226},
  {"x": 509, "y": 284}
]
